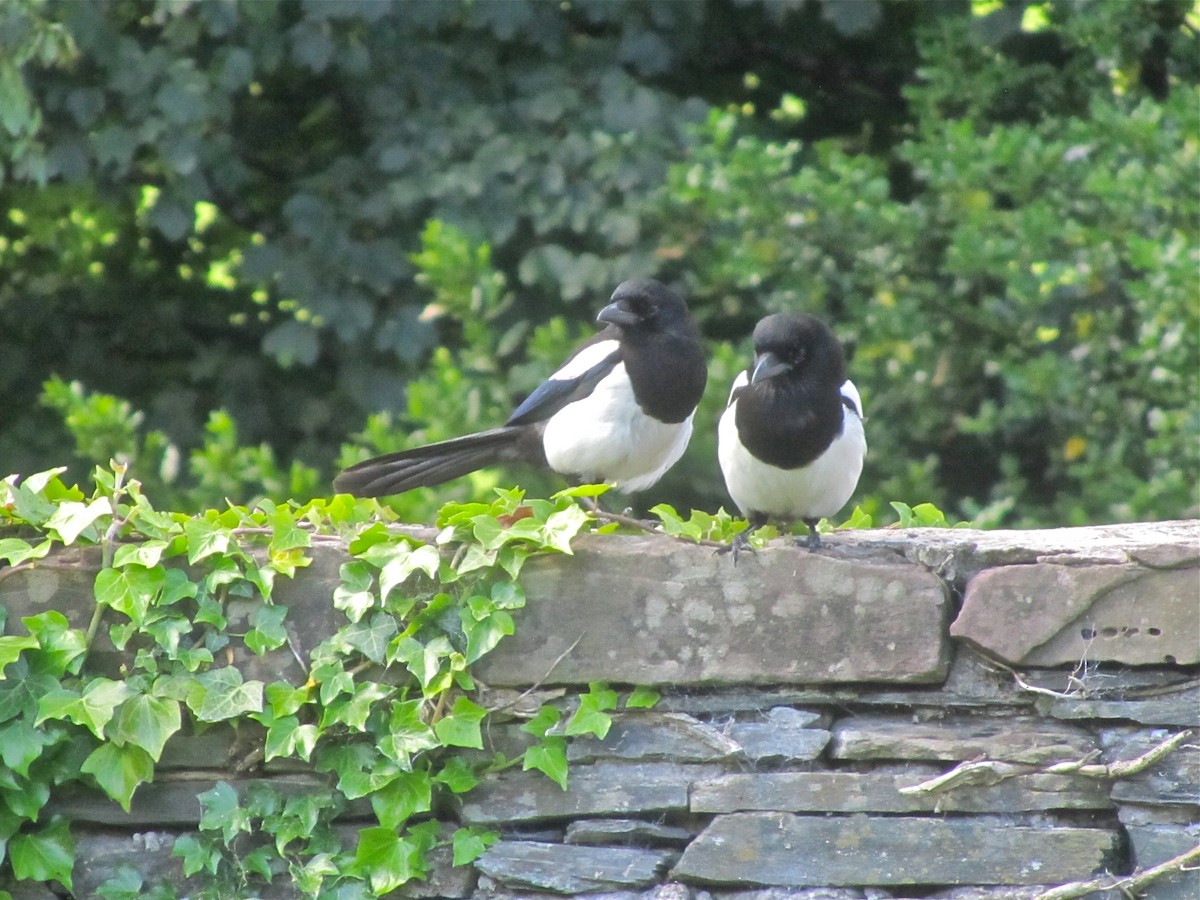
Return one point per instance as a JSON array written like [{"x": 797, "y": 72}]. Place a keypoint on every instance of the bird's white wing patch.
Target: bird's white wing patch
[
  {"x": 589, "y": 356},
  {"x": 741, "y": 381},
  {"x": 850, "y": 392}
]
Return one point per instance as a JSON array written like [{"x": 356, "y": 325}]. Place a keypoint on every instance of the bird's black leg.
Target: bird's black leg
[
  {"x": 813, "y": 541},
  {"x": 741, "y": 540}
]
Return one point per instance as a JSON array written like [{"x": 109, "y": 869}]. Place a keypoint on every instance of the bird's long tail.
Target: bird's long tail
[{"x": 394, "y": 473}]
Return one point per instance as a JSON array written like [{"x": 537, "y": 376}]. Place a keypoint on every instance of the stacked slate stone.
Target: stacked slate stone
[{"x": 811, "y": 705}]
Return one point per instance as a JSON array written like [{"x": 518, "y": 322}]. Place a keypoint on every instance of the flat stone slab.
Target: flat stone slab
[
  {"x": 1179, "y": 707},
  {"x": 855, "y": 792},
  {"x": 688, "y": 617},
  {"x": 957, "y": 554},
  {"x": 1127, "y": 614},
  {"x": 570, "y": 868},
  {"x": 653, "y": 735},
  {"x": 603, "y": 789},
  {"x": 1010, "y": 739},
  {"x": 1155, "y": 844},
  {"x": 789, "y": 850},
  {"x": 1172, "y": 781},
  {"x": 626, "y": 831}
]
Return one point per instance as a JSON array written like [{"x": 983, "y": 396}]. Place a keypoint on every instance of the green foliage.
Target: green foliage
[
  {"x": 385, "y": 710},
  {"x": 1014, "y": 278},
  {"x": 235, "y": 234}
]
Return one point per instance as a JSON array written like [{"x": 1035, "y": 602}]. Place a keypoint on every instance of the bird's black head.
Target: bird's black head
[
  {"x": 645, "y": 305},
  {"x": 797, "y": 345}
]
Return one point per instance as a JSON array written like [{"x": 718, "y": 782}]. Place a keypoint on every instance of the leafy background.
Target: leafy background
[{"x": 245, "y": 243}]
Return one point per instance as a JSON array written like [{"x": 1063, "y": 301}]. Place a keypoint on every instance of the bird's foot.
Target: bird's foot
[
  {"x": 739, "y": 544},
  {"x": 813, "y": 540}
]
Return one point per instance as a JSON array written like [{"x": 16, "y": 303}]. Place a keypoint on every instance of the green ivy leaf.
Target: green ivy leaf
[
  {"x": 126, "y": 884},
  {"x": 20, "y": 744},
  {"x": 402, "y": 797},
  {"x": 469, "y": 844},
  {"x": 93, "y": 708},
  {"x": 403, "y": 562},
  {"x": 283, "y": 699},
  {"x": 370, "y": 639},
  {"x": 147, "y": 722},
  {"x": 130, "y": 590},
  {"x": 147, "y": 554},
  {"x": 222, "y": 812},
  {"x": 385, "y": 859},
  {"x": 484, "y": 634},
  {"x": 457, "y": 775},
  {"x": 11, "y": 647},
  {"x": 286, "y": 534},
  {"x": 590, "y": 717},
  {"x": 17, "y": 551},
  {"x": 550, "y": 758},
  {"x": 119, "y": 770},
  {"x": 46, "y": 855},
  {"x": 642, "y": 698},
  {"x": 354, "y": 710},
  {"x": 268, "y": 631},
  {"x": 197, "y": 855},
  {"x": 287, "y": 737},
  {"x": 353, "y": 595},
  {"x": 72, "y": 517},
  {"x": 461, "y": 727},
  {"x": 406, "y": 733},
  {"x": 204, "y": 540},
  {"x": 221, "y": 694}
]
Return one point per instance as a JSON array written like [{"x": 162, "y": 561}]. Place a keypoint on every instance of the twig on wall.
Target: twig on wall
[{"x": 1127, "y": 884}]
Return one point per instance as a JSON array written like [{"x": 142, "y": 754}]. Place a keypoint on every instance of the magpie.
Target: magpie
[
  {"x": 619, "y": 410},
  {"x": 791, "y": 440}
]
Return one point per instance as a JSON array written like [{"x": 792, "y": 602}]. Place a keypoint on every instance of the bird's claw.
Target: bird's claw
[{"x": 739, "y": 544}]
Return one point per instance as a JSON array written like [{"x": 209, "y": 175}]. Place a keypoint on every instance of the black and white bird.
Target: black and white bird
[
  {"x": 619, "y": 410},
  {"x": 791, "y": 441}
]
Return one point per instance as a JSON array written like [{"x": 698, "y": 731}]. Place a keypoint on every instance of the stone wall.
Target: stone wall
[{"x": 811, "y": 704}]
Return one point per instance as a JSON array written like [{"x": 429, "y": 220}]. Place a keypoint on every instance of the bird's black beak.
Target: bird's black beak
[
  {"x": 617, "y": 314},
  {"x": 767, "y": 365}
]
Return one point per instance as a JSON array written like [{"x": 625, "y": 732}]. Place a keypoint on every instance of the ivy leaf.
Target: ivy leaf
[
  {"x": 268, "y": 631},
  {"x": 222, "y": 812},
  {"x": 73, "y": 517},
  {"x": 197, "y": 855},
  {"x": 204, "y": 539},
  {"x": 469, "y": 844},
  {"x": 354, "y": 710},
  {"x": 353, "y": 595},
  {"x": 17, "y": 551},
  {"x": 147, "y": 554},
  {"x": 93, "y": 708},
  {"x": 46, "y": 855},
  {"x": 457, "y": 775},
  {"x": 130, "y": 590},
  {"x": 146, "y": 722},
  {"x": 404, "y": 796},
  {"x": 483, "y": 635},
  {"x": 11, "y": 646},
  {"x": 642, "y": 698},
  {"x": 550, "y": 758},
  {"x": 370, "y": 639},
  {"x": 119, "y": 770},
  {"x": 406, "y": 733},
  {"x": 286, "y": 534},
  {"x": 221, "y": 694},
  {"x": 287, "y": 737},
  {"x": 562, "y": 526},
  {"x": 126, "y": 884},
  {"x": 590, "y": 717},
  {"x": 405, "y": 560},
  {"x": 284, "y": 699},
  {"x": 20, "y": 744},
  {"x": 385, "y": 859},
  {"x": 461, "y": 727}
]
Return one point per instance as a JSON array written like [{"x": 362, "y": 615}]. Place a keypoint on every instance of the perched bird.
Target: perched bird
[
  {"x": 791, "y": 441},
  {"x": 618, "y": 410}
]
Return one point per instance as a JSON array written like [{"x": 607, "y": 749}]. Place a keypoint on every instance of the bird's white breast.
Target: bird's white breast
[
  {"x": 814, "y": 491},
  {"x": 605, "y": 436}
]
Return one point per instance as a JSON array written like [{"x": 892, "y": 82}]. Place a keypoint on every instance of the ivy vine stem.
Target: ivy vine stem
[{"x": 108, "y": 549}]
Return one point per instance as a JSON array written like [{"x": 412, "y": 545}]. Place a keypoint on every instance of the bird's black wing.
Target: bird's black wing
[{"x": 568, "y": 384}]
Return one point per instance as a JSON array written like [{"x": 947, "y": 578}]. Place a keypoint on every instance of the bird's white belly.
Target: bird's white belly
[
  {"x": 815, "y": 491},
  {"x": 605, "y": 436}
]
